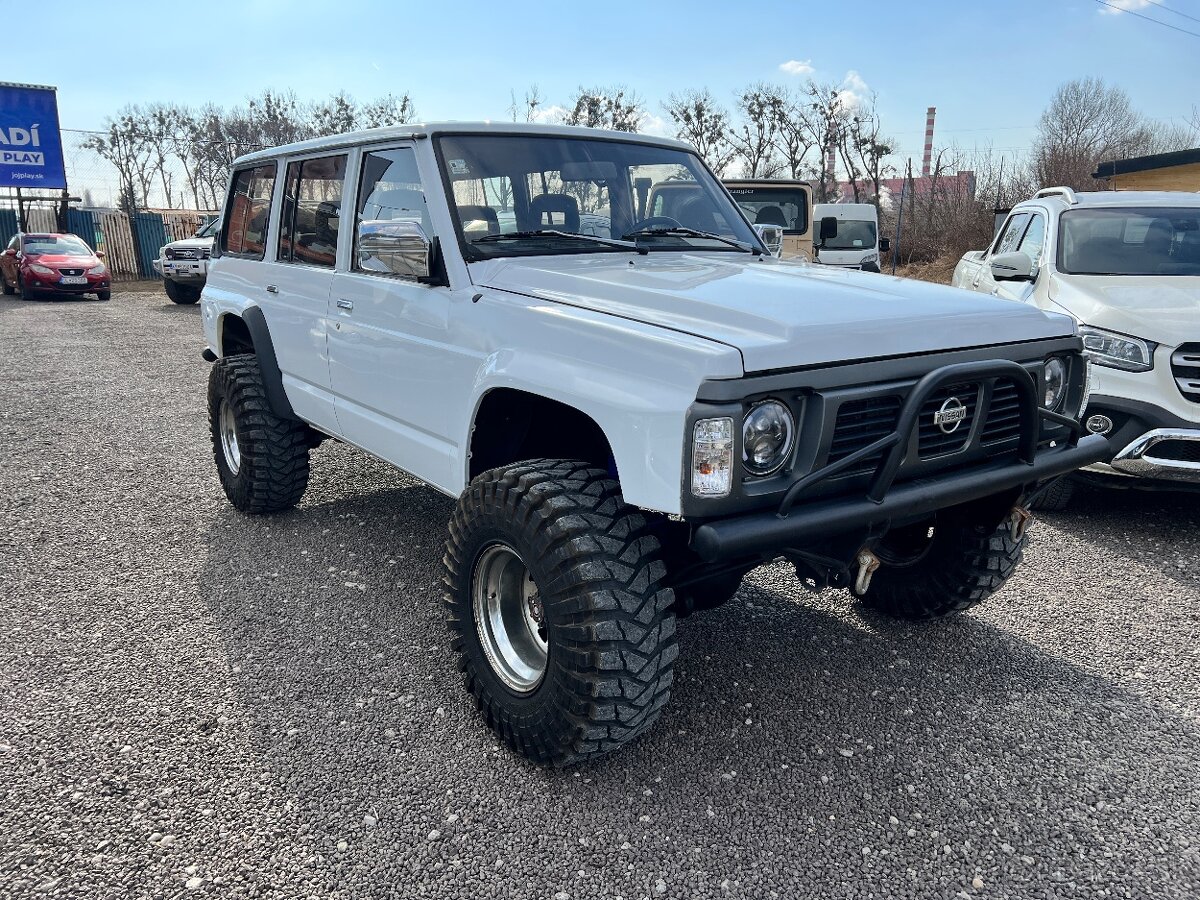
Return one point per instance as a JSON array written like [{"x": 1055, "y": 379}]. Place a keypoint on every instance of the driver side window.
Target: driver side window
[{"x": 1010, "y": 235}]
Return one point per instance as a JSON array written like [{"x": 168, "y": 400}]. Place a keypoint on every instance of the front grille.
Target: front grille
[
  {"x": 70, "y": 272},
  {"x": 1185, "y": 366},
  {"x": 937, "y": 440},
  {"x": 1004, "y": 414},
  {"x": 187, "y": 253},
  {"x": 1180, "y": 451},
  {"x": 207, "y": 252},
  {"x": 859, "y": 424}
]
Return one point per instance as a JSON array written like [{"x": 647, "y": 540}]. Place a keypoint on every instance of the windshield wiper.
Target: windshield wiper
[
  {"x": 549, "y": 232},
  {"x": 692, "y": 232}
]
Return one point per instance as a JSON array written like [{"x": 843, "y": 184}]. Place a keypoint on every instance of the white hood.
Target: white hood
[
  {"x": 779, "y": 313},
  {"x": 1160, "y": 308}
]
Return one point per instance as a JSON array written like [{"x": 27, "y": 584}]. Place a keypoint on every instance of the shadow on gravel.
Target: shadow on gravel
[{"x": 789, "y": 712}]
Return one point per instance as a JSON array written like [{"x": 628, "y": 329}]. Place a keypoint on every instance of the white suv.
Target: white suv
[
  {"x": 184, "y": 264},
  {"x": 631, "y": 410},
  {"x": 1126, "y": 266}
]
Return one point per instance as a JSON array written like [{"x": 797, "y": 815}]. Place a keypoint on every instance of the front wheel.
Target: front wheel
[
  {"x": 262, "y": 459},
  {"x": 937, "y": 568},
  {"x": 182, "y": 294},
  {"x": 8, "y": 289},
  {"x": 558, "y": 611},
  {"x": 103, "y": 296},
  {"x": 26, "y": 293}
]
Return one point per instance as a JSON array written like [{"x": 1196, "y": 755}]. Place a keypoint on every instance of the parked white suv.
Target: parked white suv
[
  {"x": 1126, "y": 266},
  {"x": 630, "y": 418},
  {"x": 184, "y": 264}
]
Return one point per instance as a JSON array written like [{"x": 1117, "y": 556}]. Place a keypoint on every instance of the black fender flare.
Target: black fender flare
[{"x": 264, "y": 349}]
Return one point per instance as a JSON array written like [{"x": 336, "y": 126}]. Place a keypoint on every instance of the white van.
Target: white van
[{"x": 855, "y": 243}]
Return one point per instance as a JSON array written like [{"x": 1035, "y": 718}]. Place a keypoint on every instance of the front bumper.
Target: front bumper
[
  {"x": 1169, "y": 454},
  {"x": 767, "y": 532},
  {"x": 184, "y": 269}
]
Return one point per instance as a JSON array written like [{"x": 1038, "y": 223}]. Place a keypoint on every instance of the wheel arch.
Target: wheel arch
[
  {"x": 247, "y": 332},
  {"x": 510, "y": 425}
]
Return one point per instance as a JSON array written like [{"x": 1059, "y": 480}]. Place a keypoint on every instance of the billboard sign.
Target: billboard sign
[{"x": 31, "y": 153}]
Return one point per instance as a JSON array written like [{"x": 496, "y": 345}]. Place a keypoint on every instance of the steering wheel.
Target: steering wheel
[{"x": 656, "y": 222}]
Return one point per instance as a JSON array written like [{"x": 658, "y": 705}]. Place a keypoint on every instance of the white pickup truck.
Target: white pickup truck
[
  {"x": 1126, "y": 266},
  {"x": 630, "y": 410}
]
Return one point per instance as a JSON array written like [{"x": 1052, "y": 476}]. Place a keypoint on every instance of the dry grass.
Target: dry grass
[{"x": 939, "y": 271}]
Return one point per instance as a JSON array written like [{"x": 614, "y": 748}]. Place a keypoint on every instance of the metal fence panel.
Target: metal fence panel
[
  {"x": 150, "y": 234},
  {"x": 8, "y": 226}
]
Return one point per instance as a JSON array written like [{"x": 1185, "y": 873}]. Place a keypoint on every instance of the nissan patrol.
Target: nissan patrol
[{"x": 631, "y": 412}]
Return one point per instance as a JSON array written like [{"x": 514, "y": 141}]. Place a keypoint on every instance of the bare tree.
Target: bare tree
[
  {"x": 159, "y": 123},
  {"x": 1086, "y": 123},
  {"x": 704, "y": 124},
  {"x": 278, "y": 118},
  {"x": 614, "y": 108},
  {"x": 337, "y": 115},
  {"x": 123, "y": 143},
  {"x": 864, "y": 151},
  {"x": 753, "y": 138},
  {"x": 826, "y": 120},
  {"x": 387, "y": 110},
  {"x": 526, "y": 110},
  {"x": 793, "y": 131}
]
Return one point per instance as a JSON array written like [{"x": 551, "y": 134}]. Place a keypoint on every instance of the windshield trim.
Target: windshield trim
[
  {"x": 470, "y": 254},
  {"x": 1061, "y": 268}
]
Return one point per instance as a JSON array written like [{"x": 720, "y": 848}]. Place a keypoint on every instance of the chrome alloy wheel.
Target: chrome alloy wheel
[
  {"x": 229, "y": 439},
  {"x": 509, "y": 618}
]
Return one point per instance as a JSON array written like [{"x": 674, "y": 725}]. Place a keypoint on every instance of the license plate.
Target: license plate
[{"x": 72, "y": 279}]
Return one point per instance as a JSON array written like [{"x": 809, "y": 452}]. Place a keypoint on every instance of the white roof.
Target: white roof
[{"x": 432, "y": 129}]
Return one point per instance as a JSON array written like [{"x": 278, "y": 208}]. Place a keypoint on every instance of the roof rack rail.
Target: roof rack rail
[{"x": 1065, "y": 192}]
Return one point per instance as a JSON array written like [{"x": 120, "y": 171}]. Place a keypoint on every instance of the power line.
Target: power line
[
  {"x": 1177, "y": 12},
  {"x": 1147, "y": 18}
]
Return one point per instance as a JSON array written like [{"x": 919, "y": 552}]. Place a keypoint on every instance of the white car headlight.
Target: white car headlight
[
  {"x": 712, "y": 457},
  {"x": 768, "y": 432},
  {"x": 96, "y": 270},
  {"x": 1117, "y": 351},
  {"x": 41, "y": 270}
]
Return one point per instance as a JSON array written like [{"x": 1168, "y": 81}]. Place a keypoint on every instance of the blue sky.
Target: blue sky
[{"x": 989, "y": 67}]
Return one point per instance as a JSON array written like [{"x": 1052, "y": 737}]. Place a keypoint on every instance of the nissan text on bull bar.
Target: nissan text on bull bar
[{"x": 631, "y": 411}]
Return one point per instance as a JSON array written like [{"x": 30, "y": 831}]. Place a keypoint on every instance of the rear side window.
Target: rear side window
[
  {"x": 247, "y": 212},
  {"x": 312, "y": 210}
]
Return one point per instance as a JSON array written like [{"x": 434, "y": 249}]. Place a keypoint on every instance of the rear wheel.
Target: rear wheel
[
  {"x": 940, "y": 567},
  {"x": 262, "y": 459},
  {"x": 180, "y": 293},
  {"x": 558, "y": 611}
]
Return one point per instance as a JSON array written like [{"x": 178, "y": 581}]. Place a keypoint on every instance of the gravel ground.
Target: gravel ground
[{"x": 193, "y": 702}]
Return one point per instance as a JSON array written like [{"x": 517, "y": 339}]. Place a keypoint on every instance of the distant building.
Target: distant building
[
  {"x": 890, "y": 189},
  {"x": 1178, "y": 171}
]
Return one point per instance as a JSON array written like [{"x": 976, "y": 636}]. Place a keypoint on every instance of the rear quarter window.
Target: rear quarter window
[{"x": 248, "y": 211}]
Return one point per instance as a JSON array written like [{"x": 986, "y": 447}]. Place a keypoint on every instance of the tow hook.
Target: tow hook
[
  {"x": 1018, "y": 521},
  {"x": 868, "y": 562}
]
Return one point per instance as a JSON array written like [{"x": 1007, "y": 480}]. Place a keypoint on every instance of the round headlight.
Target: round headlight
[
  {"x": 768, "y": 432},
  {"x": 1054, "y": 382}
]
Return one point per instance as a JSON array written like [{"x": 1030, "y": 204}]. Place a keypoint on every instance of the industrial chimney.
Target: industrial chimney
[
  {"x": 927, "y": 160},
  {"x": 831, "y": 167}
]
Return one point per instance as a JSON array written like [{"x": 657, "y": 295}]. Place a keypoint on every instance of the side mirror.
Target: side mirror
[
  {"x": 99, "y": 254},
  {"x": 772, "y": 236},
  {"x": 1016, "y": 266},
  {"x": 396, "y": 247},
  {"x": 829, "y": 228},
  {"x": 885, "y": 245}
]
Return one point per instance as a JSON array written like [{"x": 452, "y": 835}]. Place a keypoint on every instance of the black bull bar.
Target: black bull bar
[{"x": 762, "y": 533}]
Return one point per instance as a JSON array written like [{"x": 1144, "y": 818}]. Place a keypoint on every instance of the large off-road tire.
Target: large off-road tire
[
  {"x": 1056, "y": 497},
  {"x": 262, "y": 459},
  {"x": 960, "y": 566},
  {"x": 182, "y": 294},
  {"x": 557, "y": 607}
]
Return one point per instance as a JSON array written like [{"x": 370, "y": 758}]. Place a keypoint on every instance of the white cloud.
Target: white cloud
[
  {"x": 550, "y": 115},
  {"x": 1123, "y": 5},
  {"x": 854, "y": 90},
  {"x": 797, "y": 67},
  {"x": 654, "y": 125}
]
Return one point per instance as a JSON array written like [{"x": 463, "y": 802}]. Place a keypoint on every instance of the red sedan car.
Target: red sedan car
[{"x": 42, "y": 264}]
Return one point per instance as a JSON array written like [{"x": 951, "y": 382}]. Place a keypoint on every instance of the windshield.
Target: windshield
[
  {"x": 1130, "y": 241},
  {"x": 210, "y": 229},
  {"x": 54, "y": 244},
  {"x": 508, "y": 188},
  {"x": 852, "y": 234},
  {"x": 786, "y": 206}
]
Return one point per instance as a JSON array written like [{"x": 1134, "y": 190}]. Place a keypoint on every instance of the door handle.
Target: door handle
[
  {"x": 345, "y": 304},
  {"x": 271, "y": 289}
]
